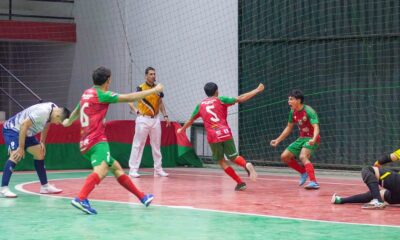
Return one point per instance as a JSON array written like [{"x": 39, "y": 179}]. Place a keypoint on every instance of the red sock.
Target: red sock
[
  {"x": 239, "y": 160},
  {"x": 310, "y": 171},
  {"x": 91, "y": 181},
  {"x": 232, "y": 174},
  {"x": 296, "y": 166},
  {"x": 127, "y": 183}
]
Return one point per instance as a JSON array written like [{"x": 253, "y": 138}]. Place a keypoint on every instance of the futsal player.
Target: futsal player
[
  {"x": 374, "y": 177},
  {"x": 92, "y": 110},
  {"x": 213, "y": 111},
  {"x": 388, "y": 179},
  {"x": 304, "y": 147},
  {"x": 19, "y": 135}
]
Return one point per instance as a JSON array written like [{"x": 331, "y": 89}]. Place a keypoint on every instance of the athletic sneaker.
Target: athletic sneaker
[
  {"x": 6, "y": 193},
  {"x": 83, "y": 205},
  {"x": 160, "y": 173},
  {"x": 336, "y": 199},
  {"x": 312, "y": 186},
  {"x": 146, "y": 200},
  {"x": 241, "y": 187},
  {"x": 134, "y": 174},
  {"x": 251, "y": 171},
  {"x": 49, "y": 189},
  {"x": 303, "y": 179},
  {"x": 374, "y": 204}
]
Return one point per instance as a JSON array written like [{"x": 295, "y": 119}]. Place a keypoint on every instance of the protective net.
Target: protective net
[
  {"x": 345, "y": 58},
  {"x": 36, "y": 53}
]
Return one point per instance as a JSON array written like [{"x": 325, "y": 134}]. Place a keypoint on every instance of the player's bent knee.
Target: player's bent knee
[
  {"x": 101, "y": 170},
  {"x": 303, "y": 158},
  {"x": 16, "y": 161},
  {"x": 368, "y": 175},
  {"x": 223, "y": 163},
  {"x": 285, "y": 157},
  {"x": 39, "y": 157},
  {"x": 118, "y": 172}
]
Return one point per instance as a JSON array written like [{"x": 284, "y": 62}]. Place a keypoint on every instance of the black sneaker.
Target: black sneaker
[{"x": 240, "y": 187}]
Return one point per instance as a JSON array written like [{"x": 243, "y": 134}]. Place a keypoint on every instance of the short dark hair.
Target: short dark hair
[
  {"x": 101, "y": 75},
  {"x": 210, "y": 88},
  {"x": 65, "y": 113},
  {"x": 298, "y": 94},
  {"x": 148, "y": 69}
]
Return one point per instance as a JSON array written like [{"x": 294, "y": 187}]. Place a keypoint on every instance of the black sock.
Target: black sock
[
  {"x": 41, "y": 171},
  {"x": 370, "y": 179},
  {"x": 359, "y": 198},
  {"x": 374, "y": 189}
]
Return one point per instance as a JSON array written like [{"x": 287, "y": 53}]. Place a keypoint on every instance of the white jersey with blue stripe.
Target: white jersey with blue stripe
[{"x": 39, "y": 115}]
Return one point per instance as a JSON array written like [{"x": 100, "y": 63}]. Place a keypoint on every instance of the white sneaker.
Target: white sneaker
[
  {"x": 134, "y": 174},
  {"x": 374, "y": 204},
  {"x": 160, "y": 173},
  {"x": 49, "y": 189},
  {"x": 251, "y": 171},
  {"x": 6, "y": 193}
]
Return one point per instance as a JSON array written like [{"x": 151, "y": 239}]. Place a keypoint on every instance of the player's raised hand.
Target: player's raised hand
[
  {"x": 66, "y": 122},
  {"x": 260, "y": 87},
  {"x": 274, "y": 143},
  {"x": 179, "y": 131},
  {"x": 159, "y": 87}
]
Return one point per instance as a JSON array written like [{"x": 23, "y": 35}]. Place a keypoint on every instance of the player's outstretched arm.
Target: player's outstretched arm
[
  {"x": 247, "y": 96},
  {"x": 185, "y": 126},
  {"x": 72, "y": 117},
  {"x": 283, "y": 135},
  {"x": 387, "y": 159},
  {"x": 130, "y": 97}
]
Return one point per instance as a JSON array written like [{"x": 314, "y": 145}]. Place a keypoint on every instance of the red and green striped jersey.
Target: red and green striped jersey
[
  {"x": 304, "y": 120},
  {"x": 93, "y": 109},
  {"x": 214, "y": 111}
]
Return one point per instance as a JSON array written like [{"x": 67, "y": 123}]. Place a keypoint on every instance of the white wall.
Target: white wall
[
  {"x": 188, "y": 42},
  {"x": 100, "y": 42}
]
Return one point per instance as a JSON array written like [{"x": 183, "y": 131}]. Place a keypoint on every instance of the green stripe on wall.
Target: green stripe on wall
[{"x": 68, "y": 156}]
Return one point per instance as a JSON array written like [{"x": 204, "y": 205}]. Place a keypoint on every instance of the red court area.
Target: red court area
[{"x": 271, "y": 195}]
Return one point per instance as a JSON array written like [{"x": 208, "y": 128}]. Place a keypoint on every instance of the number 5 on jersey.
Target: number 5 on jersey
[{"x": 214, "y": 118}]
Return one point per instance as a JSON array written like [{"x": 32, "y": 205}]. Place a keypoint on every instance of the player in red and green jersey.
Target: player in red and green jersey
[
  {"x": 92, "y": 110},
  {"x": 304, "y": 147},
  {"x": 214, "y": 111}
]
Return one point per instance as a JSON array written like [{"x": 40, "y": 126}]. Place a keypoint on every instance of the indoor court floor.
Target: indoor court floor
[{"x": 195, "y": 203}]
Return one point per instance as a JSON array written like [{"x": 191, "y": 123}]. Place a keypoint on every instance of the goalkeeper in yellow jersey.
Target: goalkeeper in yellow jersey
[{"x": 376, "y": 177}]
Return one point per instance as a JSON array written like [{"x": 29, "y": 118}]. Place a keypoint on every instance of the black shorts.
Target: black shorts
[{"x": 390, "y": 180}]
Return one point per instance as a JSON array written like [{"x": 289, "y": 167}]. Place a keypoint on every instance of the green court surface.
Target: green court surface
[{"x": 45, "y": 217}]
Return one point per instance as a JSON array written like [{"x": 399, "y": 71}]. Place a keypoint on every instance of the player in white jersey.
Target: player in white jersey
[{"x": 19, "y": 135}]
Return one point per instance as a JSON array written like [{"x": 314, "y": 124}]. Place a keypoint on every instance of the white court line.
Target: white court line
[{"x": 20, "y": 188}]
